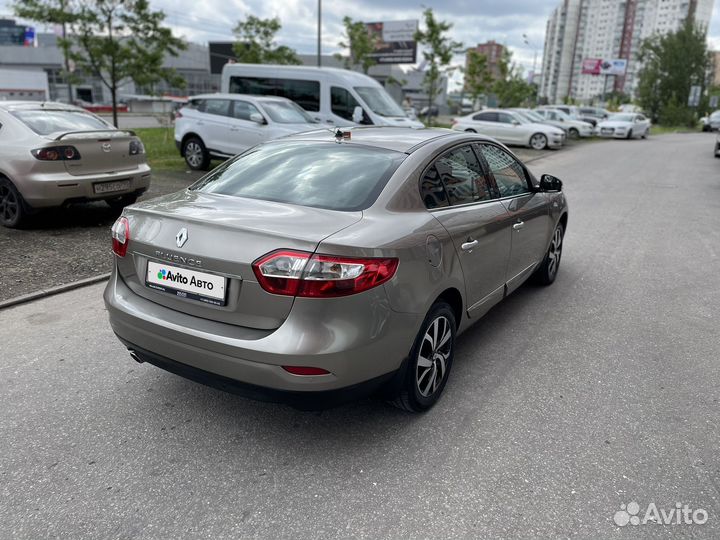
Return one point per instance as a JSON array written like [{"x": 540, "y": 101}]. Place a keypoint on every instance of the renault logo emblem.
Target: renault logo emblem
[
  {"x": 106, "y": 147},
  {"x": 181, "y": 237}
]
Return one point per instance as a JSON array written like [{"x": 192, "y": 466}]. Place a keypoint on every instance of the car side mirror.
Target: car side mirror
[
  {"x": 257, "y": 118},
  {"x": 549, "y": 182},
  {"x": 561, "y": 119},
  {"x": 357, "y": 114},
  {"x": 515, "y": 123}
]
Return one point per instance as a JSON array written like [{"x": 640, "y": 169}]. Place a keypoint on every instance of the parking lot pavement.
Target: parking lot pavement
[
  {"x": 564, "y": 402},
  {"x": 68, "y": 244}
]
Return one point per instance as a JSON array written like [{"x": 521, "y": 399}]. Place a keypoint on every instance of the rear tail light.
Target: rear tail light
[
  {"x": 306, "y": 370},
  {"x": 136, "y": 147},
  {"x": 120, "y": 236},
  {"x": 298, "y": 273},
  {"x": 56, "y": 153}
]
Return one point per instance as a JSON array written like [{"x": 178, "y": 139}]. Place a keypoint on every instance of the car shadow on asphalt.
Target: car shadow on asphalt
[
  {"x": 228, "y": 413},
  {"x": 80, "y": 215}
]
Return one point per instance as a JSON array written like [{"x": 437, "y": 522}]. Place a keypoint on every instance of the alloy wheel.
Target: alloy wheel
[
  {"x": 193, "y": 154},
  {"x": 8, "y": 204},
  {"x": 433, "y": 356},
  {"x": 538, "y": 141},
  {"x": 555, "y": 252}
]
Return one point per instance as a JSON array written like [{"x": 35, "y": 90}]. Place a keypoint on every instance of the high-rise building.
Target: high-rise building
[
  {"x": 493, "y": 52},
  {"x": 606, "y": 29}
]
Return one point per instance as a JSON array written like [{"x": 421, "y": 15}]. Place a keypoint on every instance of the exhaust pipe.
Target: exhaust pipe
[{"x": 135, "y": 356}]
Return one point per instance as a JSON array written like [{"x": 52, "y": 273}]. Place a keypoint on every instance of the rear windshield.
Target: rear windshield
[
  {"x": 327, "y": 175},
  {"x": 47, "y": 122}
]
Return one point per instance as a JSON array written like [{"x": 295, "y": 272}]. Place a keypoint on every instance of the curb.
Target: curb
[{"x": 44, "y": 293}]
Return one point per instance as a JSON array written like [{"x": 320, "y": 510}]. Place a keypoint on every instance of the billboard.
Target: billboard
[
  {"x": 395, "y": 41},
  {"x": 599, "y": 66}
]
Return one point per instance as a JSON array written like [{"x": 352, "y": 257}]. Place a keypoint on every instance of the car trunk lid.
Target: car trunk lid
[
  {"x": 222, "y": 236},
  {"x": 100, "y": 152}
]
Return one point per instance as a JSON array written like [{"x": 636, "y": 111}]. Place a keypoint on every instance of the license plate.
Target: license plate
[
  {"x": 185, "y": 283},
  {"x": 607, "y": 131},
  {"x": 110, "y": 187}
]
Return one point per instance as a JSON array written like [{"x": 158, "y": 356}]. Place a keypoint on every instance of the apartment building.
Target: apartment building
[{"x": 580, "y": 29}]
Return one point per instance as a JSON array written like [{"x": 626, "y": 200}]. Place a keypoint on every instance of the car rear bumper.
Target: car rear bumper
[
  {"x": 355, "y": 348},
  {"x": 55, "y": 189},
  {"x": 297, "y": 399}
]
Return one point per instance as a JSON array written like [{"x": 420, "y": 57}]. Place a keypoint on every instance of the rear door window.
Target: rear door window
[
  {"x": 487, "y": 117},
  {"x": 326, "y": 175},
  {"x": 456, "y": 177},
  {"x": 220, "y": 107}
]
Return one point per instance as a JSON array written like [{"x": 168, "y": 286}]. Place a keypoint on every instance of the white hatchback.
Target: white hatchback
[{"x": 223, "y": 125}]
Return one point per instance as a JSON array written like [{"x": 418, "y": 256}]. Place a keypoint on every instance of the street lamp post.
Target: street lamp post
[{"x": 319, "y": 45}]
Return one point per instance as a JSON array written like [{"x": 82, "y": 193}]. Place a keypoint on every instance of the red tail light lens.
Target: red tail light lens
[
  {"x": 306, "y": 370},
  {"x": 120, "y": 236},
  {"x": 56, "y": 153},
  {"x": 298, "y": 273}
]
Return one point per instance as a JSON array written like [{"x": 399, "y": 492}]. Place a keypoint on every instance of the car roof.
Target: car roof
[
  {"x": 37, "y": 105},
  {"x": 399, "y": 139},
  {"x": 248, "y": 97},
  {"x": 350, "y": 77}
]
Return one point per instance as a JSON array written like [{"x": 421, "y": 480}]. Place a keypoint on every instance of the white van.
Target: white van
[{"x": 338, "y": 97}]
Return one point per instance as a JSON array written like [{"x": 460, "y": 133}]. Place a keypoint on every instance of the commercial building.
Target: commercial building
[{"x": 606, "y": 29}]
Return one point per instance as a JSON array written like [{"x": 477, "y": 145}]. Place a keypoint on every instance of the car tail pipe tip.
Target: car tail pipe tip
[{"x": 135, "y": 356}]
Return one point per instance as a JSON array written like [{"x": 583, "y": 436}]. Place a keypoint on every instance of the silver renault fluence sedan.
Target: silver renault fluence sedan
[
  {"x": 52, "y": 154},
  {"x": 325, "y": 265}
]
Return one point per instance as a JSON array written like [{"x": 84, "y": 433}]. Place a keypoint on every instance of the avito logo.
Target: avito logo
[{"x": 177, "y": 277}]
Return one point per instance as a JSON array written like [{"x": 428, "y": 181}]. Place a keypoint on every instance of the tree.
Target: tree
[
  {"x": 438, "y": 53},
  {"x": 671, "y": 64},
  {"x": 478, "y": 79},
  {"x": 511, "y": 88},
  {"x": 62, "y": 12},
  {"x": 123, "y": 40},
  {"x": 256, "y": 43},
  {"x": 360, "y": 43}
]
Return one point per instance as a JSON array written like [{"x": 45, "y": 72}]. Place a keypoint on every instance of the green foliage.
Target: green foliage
[
  {"x": 672, "y": 63},
  {"x": 478, "y": 79},
  {"x": 511, "y": 89},
  {"x": 360, "y": 43},
  {"x": 438, "y": 52},
  {"x": 256, "y": 43},
  {"x": 122, "y": 40}
]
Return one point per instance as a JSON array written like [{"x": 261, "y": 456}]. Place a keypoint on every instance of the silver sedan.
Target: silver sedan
[
  {"x": 53, "y": 154},
  {"x": 326, "y": 265}
]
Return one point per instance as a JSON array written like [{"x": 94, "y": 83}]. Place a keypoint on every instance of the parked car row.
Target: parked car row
[{"x": 550, "y": 126}]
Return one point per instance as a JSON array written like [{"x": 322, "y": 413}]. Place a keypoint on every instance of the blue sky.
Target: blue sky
[{"x": 474, "y": 21}]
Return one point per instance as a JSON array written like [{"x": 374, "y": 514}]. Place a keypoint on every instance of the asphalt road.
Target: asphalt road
[{"x": 564, "y": 402}]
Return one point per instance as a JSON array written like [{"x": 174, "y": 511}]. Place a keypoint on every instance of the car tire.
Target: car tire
[
  {"x": 629, "y": 135},
  {"x": 196, "y": 155},
  {"x": 645, "y": 134},
  {"x": 13, "y": 208},
  {"x": 470, "y": 131},
  {"x": 574, "y": 133},
  {"x": 119, "y": 203},
  {"x": 431, "y": 356},
  {"x": 548, "y": 269},
  {"x": 538, "y": 141}
]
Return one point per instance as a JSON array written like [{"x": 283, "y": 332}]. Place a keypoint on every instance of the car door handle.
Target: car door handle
[
  {"x": 519, "y": 225},
  {"x": 467, "y": 246}
]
